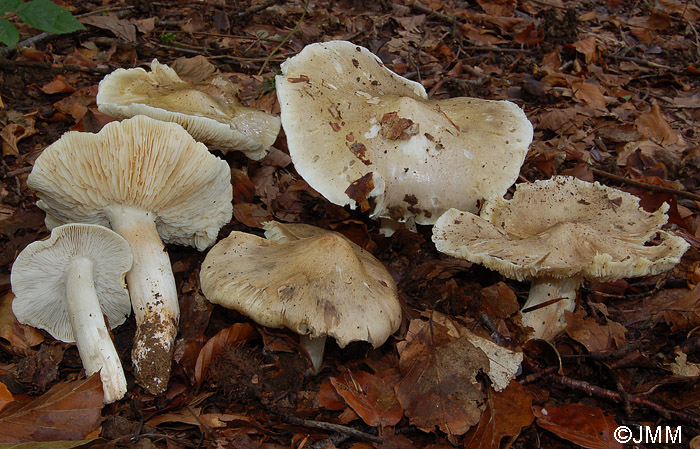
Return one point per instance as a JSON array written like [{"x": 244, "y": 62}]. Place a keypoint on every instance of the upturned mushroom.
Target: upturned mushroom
[
  {"x": 314, "y": 282},
  {"x": 556, "y": 233},
  {"x": 359, "y": 133},
  {"x": 208, "y": 110},
  {"x": 146, "y": 179},
  {"x": 68, "y": 286}
]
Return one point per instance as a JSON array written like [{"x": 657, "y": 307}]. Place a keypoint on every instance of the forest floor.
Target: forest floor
[{"x": 611, "y": 88}]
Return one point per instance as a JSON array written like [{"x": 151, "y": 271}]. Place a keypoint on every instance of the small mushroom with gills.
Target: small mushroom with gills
[
  {"x": 208, "y": 110},
  {"x": 556, "y": 233},
  {"x": 314, "y": 282},
  {"x": 67, "y": 285},
  {"x": 147, "y": 180}
]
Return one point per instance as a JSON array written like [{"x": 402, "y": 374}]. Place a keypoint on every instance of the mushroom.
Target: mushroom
[
  {"x": 359, "y": 133},
  {"x": 146, "y": 179},
  {"x": 314, "y": 282},
  {"x": 209, "y": 110},
  {"x": 557, "y": 232},
  {"x": 68, "y": 285}
]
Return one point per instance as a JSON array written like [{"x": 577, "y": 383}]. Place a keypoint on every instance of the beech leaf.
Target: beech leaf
[
  {"x": 370, "y": 397},
  {"x": 584, "y": 425},
  {"x": 239, "y": 333},
  {"x": 68, "y": 411}
]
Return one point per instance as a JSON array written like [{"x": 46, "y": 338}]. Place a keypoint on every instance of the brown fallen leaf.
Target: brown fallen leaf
[
  {"x": 584, "y": 425},
  {"x": 654, "y": 125},
  {"x": 594, "y": 336},
  {"x": 370, "y": 397},
  {"x": 506, "y": 414},
  {"x": 123, "y": 29},
  {"x": 59, "y": 85},
  {"x": 439, "y": 387},
  {"x": 243, "y": 188},
  {"x": 590, "y": 93},
  {"x": 239, "y": 333},
  {"x": 360, "y": 189},
  {"x": 13, "y": 133},
  {"x": 20, "y": 337},
  {"x": 251, "y": 214},
  {"x": 68, "y": 411},
  {"x": 587, "y": 47},
  {"x": 5, "y": 396}
]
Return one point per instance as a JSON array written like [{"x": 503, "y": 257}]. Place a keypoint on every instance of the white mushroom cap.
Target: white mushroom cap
[
  {"x": 557, "y": 232},
  {"x": 140, "y": 163},
  {"x": 312, "y": 281},
  {"x": 209, "y": 110},
  {"x": 349, "y": 120},
  {"x": 39, "y": 277},
  {"x": 562, "y": 227}
]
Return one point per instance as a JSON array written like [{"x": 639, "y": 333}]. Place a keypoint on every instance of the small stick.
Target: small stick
[
  {"x": 286, "y": 38},
  {"x": 19, "y": 171},
  {"x": 646, "y": 186},
  {"x": 337, "y": 428},
  {"x": 54, "y": 66},
  {"x": 595, "y": 390},
  {"x": 650, "y": 64}
]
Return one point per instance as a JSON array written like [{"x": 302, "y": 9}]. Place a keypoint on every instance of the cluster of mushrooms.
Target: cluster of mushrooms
[{"x": 361, "y": 136}]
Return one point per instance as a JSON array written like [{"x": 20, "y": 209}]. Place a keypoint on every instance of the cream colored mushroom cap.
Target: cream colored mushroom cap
[
  {"x": 209, "y": 110},
  {"x": 143, "y": 163},
  {"x": 347, "y": 117},
  {"x": 39, "y": 277},
  {"x": 312, "y": 281},
  {"x": 562, "y": 227}
]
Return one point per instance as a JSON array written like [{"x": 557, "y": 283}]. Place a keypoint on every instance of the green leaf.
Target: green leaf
[
  {"x": 47, "y": 16},
  {"x": 9, "y": 5},
  {"x": 8, "y": 33}
]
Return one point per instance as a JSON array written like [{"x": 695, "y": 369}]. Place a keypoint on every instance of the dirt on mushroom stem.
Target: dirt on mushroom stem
[{"x": 155, "y": 350}]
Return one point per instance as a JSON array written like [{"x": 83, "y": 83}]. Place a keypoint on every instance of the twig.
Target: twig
[
  {"x": 25, "y": 43},
  {"x": 600, "y": 392},
  {"x": 329, "y": 427},
  {"x": 646, "y": 186},
  {"x": 257, "y": 8},
  {"x": 54, "y": 66},
  {"x": 19, "y": 171},
  {"x": 650, "y": 64},
  {"x": 418, "y": 6},
  {"x": 286, "y": 38}
]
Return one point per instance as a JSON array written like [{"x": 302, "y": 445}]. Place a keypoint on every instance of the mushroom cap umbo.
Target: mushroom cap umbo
[
  {"x": 208, "y": 110},
  {"x": 312, "y": 281},
  {"x": 559, "y": 228},
  {"x": 355, "y": 129},
  {"x": 39, "y": 277},
  {"x": 141, "y": 163}
]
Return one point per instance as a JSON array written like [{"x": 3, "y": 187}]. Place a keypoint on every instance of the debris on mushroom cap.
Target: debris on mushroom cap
[
  {"x": 141, "y": 163},
  {"x": 39, "y": 281},
  {"x": 209, "y": 110},
  {"x": 315, "y": 282},
  {"x": 356, "y": 130},
  {"x": 562, "y": 227}
]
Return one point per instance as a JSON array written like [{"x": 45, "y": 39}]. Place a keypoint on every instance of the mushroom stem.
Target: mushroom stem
[
  {"x": 153, "y": 297},
  {"x": 548, "y": 321},
  {"x": 314, "y": 347},
  {"x": 92, "y": 337}
]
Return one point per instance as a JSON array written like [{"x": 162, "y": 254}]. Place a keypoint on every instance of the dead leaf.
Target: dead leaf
[
  {"x": 584, "y": 425},
  {"x": 654, "y": 125},
  {"x": 193, "y": 416},
  {"x": 498, "y": 7},
  {"x": 682, "y": 367},
  {"x": 68, "y": 411},
  {"x": 595, "y": 337},
  {"x": 13, "y": 133},
  {"x": 529, "y": 36},
  {"x": 439, "y": 387},
  {"x": 370, "y": 397},
  {"x": 239, "y": 333},
  {"x": 20, "y": 337},
  {"x": 590, "y": 93},
  {"x": 251, "y": 214},
  {"x": 123, "y": 29},
  {"x": 503, "y": 362},
  {"x": 506, "y": 414},
  {"x": 587, "y": 47},
  {"x": 360, "y": 189},
  {"x": 145, "y": 26},
  {"x": 194, "y": 70},
  {"x": 59, "y": 85},
  {"x": 5, "y": 396}
]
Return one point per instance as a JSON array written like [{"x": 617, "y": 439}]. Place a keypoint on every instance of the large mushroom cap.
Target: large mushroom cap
[
  {"x": 142, "y": 163},
  {"x": 39, "y": 277},
  {"x": 312, "y": 281},
  {"x": 355, "y": 129},
  {"x": 209, "y": 110},
  {"x": 562, "y": 227}
]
